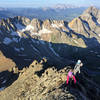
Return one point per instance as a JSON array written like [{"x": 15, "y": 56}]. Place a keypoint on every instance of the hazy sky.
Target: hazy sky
[{"x": 46, "y": 3}]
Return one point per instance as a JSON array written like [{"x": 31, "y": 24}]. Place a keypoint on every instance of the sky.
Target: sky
[{"x": 47, "y": 3}]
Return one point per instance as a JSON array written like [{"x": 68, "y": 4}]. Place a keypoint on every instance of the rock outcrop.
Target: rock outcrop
[
  {"x": 35, "y": 84},
  {"x": 5, "y": 63},
  {"x": 87, "y": 24}
]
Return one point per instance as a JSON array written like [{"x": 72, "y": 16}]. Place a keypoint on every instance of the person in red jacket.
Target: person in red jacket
[{"x": 70, "y": 75}]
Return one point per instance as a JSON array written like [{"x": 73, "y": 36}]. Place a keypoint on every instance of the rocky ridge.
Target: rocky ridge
[{"x": 49, "y": 85}]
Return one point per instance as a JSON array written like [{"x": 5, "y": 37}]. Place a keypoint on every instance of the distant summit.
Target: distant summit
[
  {"x": 92, "y": 10},
  {"x": 63, "y": 6},
  {"x": 88, "y": 23},
  {"x": 2, "y": 9}
]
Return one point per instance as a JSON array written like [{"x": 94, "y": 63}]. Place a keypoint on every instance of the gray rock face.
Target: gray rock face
[
  {"x": 47, "y": 24},
  {"x": 22, "y": 20},
  {"x": 87, "y": 24},
  {"x": 37, "y": 24}
]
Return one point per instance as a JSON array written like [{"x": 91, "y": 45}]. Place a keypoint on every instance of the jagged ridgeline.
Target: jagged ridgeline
[
  {"x": 23, "y": 40},
  {"x": 51, "y": 85}
]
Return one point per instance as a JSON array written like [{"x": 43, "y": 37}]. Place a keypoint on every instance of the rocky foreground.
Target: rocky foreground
[{"x": 35, "y": 83}]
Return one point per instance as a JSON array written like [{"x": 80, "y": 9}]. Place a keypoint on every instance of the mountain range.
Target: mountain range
[
  {"x": 60, "y": 43},
  {"x": 54, "y": 13}
]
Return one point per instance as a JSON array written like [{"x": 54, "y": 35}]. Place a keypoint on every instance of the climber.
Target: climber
[
  {"x": 70, "y": 76},
  {"x": 77, "y": 67}
]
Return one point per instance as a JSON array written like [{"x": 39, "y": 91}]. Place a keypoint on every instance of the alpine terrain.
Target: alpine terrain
[{"x": 36, "y": 55}]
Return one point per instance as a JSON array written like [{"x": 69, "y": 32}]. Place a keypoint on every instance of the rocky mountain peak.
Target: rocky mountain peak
[
  {"x": 58, "y": 22},
  {"x": 47, "y": 24},
  {"x": 37, "y": 24},
  {"x": 63, "y": 6},
  {"x": 34, "y": 83},
  {"x": 22, "y": 20},
  {"x": 88, "y": 23},
  {"x": 92, "y": 11},
  {"x": 2, "y": 9}
]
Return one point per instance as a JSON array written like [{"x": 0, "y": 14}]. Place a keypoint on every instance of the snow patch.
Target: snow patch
[
  {"x": 29, "y": 27},
  {"x": 34, "y": 48},
  {"x": 50, "y": 46},
  {"x": 19, "y": 26},
  {"x": 7, "y": 41},
  {"x": 34, "y": 34},
  {"x": 15, "y": 39},
  {"x": 98, "y": 34},
  {"x": 35, "y": 41},
  {"x": 4, "y": 81},
  {"x": 41, "y": 41},
  {"x": 96, "y": 52},
  {"x": 22, "y": 49},
  {"x": 28, "y": 59},
  {"x": 75, "y": 41},
  {"x": 61, "y": 25},
  {"x": 44, "y": 30},
  {"x": 98, "y": 21},
  {"x": 14, "y": 34},
  {"x": 19, "y": 33},
  {"x": 91, "y": 51},
  {"x": 17, "y": 49},
  {"x": 19, "y": 39},
  {"x": 21, "y": 29},
  {"x": 56, "y": 26},
  {"x": 98, "y": 55},
  {"x": 22, "y": 55}
]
